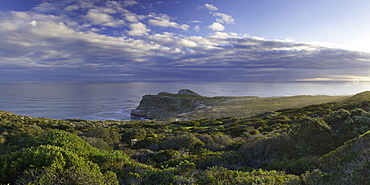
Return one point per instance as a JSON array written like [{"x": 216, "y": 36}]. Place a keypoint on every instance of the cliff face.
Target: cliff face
[{"x": 167, "y": 105}]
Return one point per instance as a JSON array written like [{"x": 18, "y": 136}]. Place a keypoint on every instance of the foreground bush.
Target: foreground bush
[{"x": 60, "y": 157}]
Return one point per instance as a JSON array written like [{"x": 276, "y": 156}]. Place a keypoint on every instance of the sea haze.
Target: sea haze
[{"x": 114, "y": 100}]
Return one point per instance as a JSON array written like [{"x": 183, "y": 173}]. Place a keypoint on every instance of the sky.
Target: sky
[{"x": 184, "y": 40}]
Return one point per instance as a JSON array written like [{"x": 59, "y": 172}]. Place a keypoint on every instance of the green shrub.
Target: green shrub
[
  {"x": 230, "y": 159},
  {"x": 216, "y": 142},
  {"x": 264, "y": 150},
  {"x": 219, "y": 175},
  {"x": 158, "y": 177},
  {"x": 186, "y": 141},
  {"x": 295, "y": 166},
  {"x": 348, "y": 124},
  {"x": 166, "y": 155},
  {"x": 107, "y": 135},
  {"x": 312, "y": 136},
  {"x": 97, "y": 143},
  {"x": 348, "y": 163},
  {"x": 48, "y": 165},
  {"x": 59, "y": 153},
  {"x": 135, "y": 133}
]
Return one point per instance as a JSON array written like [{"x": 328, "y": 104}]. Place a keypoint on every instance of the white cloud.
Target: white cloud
[
  {"x": 8, "y": 26},
  {"x": 99, "y": 18},
  {"x": 51, "y": 29},
  {"x": 47, "y": 7},
  {"x": 117, "y": 6},
  {"x": 175, "y": 43},
  {"x": 165, "y": 36},
  {"x": 33, "y": 23},
  {"x": 222, "y": 35},
  {"x": 204, "y": 41},
  {"x": 228, "y": 19},
  {"x": 188, "y": 43},
  {"x": 71, "y": 8},
  {"x": 211, "y": 7},
  {"x": 195, "y": 21},
  {"x": 184, "y": 27},
  {"x": 216, "y": 26},
  {"x": 132, "y": 17},
  {"x": 83, "y": 4},
  {"x": 130, "y": 2},
  {"x": 138, "y": 29},
  {"x": 163, "y": 20},
  {"x": 21, "y": 15},
  {"x": 197, "y": 28}
]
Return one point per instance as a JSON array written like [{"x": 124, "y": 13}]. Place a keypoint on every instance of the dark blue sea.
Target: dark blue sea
[{"x": 114, "y": 100}]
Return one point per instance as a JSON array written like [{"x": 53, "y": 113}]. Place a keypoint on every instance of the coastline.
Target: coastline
[{"x": 114, "y": 100}]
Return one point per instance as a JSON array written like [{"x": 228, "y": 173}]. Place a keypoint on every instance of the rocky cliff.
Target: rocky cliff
[{"x": 167, "y": 105}]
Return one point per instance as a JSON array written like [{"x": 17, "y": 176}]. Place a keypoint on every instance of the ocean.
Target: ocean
[{"x": 114, "y": 100}]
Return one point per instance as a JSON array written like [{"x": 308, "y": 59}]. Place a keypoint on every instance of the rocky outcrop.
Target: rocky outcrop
[
  {"x": 188, "y": 92},
  {"x": 167, "y": 105}
]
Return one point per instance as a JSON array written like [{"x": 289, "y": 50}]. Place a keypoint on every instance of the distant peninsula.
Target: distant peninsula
[
  {"x": 168, "y": 105},
  {"x": 189, "y": 105}
]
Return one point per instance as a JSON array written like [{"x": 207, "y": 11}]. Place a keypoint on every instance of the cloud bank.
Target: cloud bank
[{"x": 104, "y": 40}]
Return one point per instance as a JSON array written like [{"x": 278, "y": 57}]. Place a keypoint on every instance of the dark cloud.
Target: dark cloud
[{"x": 36, "y": 45}]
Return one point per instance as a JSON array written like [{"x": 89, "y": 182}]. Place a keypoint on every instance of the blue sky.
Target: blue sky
[{"x": 185, "y": 40}]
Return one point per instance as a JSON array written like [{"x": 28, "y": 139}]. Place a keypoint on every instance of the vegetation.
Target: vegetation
[
  {"x": 188, "y": 105},
  {"x": 218, "y": 107},
  {"x": 318, "y": 144}
]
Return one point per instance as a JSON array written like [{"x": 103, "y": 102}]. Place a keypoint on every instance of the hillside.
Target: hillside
[
  {"x": 316, "y": 144},
  {"x": 349, "y": 164}
]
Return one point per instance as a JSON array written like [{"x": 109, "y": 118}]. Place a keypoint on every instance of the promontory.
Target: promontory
[
  {"x": 187, "y": 104},
  {"x": 166, "y": 105}
]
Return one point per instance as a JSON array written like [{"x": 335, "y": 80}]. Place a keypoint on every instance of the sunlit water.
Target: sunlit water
[{"x": 113, "y": 101}]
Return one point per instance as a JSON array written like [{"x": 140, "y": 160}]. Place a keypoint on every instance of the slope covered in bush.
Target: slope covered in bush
[
  {"x": 59, "y": 157},
  {"x": 317, "y": 144},
  {"x": 350, "y": 162}
]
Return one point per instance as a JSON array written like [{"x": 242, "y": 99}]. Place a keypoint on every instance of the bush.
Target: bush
[
  {"x": 312, "y": 136},
  {"x": 97, "y": 143},
  {"x": 157, "y": 177},
  {"x": 216, "y": 142},
  {"x": 60, "y": 155},
  {"x": 186, "y": 141},
  {"x": 219, "y": 175},
  {"x": 295, "y": 166},
  {"x": 136, "y": 133},
  {"x": 352, "y": 126},
  {"x": 262, "y": 151},
  {"x": 48, "y": 165},
  {"x": 107, "y": 135},
  {"x": 230, "y": 159},
  {"x": 166, "y": 155},
  {"x": 348, "y": 163}
]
